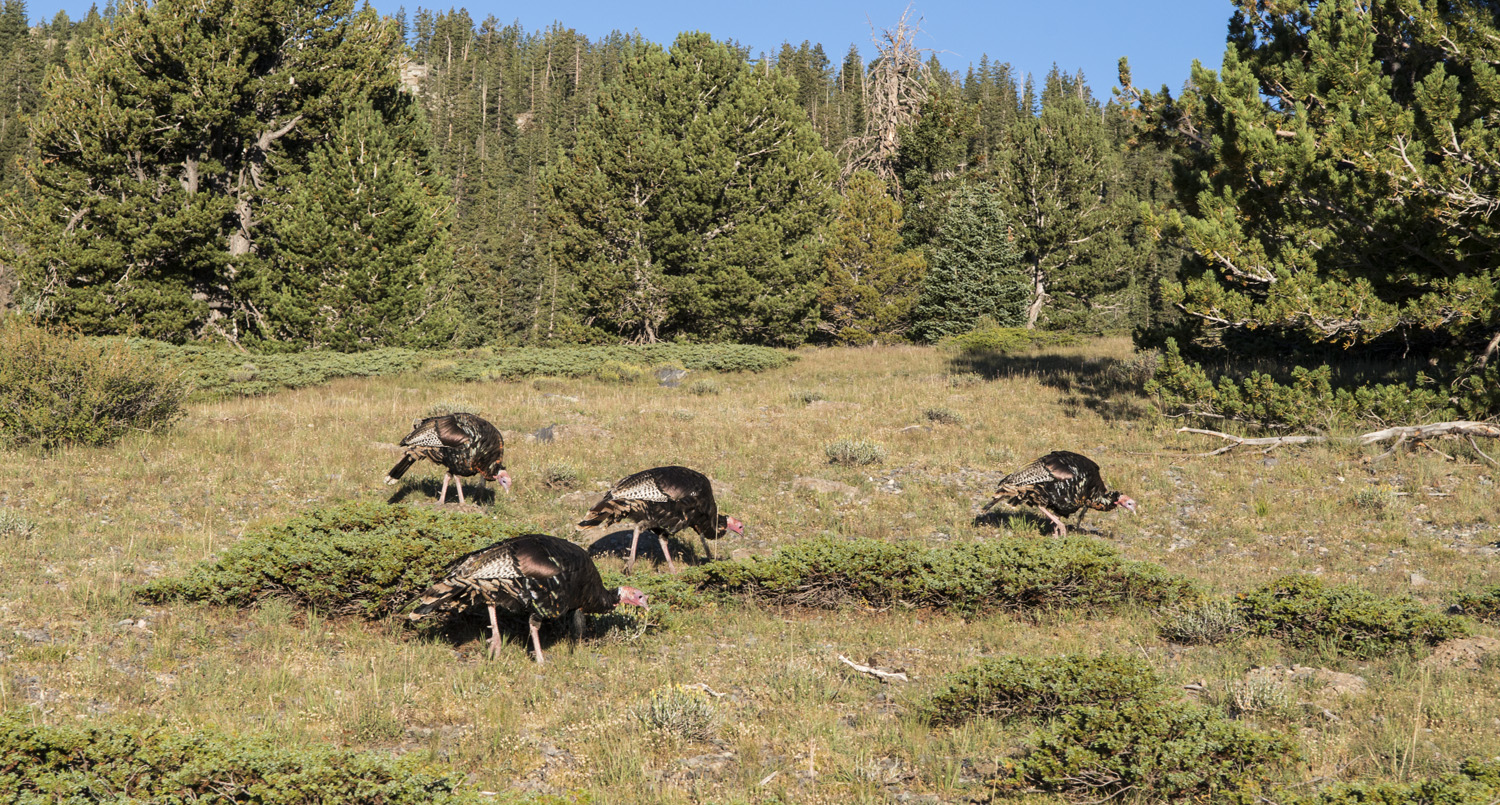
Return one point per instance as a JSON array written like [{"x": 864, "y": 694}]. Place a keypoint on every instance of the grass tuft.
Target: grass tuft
[
  {"x": 15, "y": 526},
  {"x": 679, "y": 712},
  {"x": 854, "y": 452},
  {"x": 1207, "y": 623}
]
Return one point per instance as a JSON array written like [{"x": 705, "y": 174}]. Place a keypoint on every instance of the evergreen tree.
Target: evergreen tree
[
  {"x": 691, "y": 201},
  {"x": 1345, "y": 166},
  {"x": 362, "y": 247},
  {"x": 872, "y": 282},
  {"x": 974, "y": 270},
  {"x": 163, "y": 150},
  {"x": 1063, "y": 181}
]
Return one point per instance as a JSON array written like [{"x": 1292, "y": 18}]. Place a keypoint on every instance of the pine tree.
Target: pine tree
[
  {"x": 163, "y": 150},
  {"x": 1341, "y": 192},
  {"x": 1062, "y": 181},
  {"x": 691, "y": 201},
  {"x": 362, "y": 245},
  {"x": 974, "y": 270},
  {"x": 872, "y": 282}
]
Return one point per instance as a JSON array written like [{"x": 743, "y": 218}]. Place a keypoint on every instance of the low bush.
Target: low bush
[
  {"x": 1477, "y": 782},
  {"x": 705, "y": 386},
  {"x": 998, "y": 574},
  {"x": 223, "y": 371},
  {"x": 560, "y": 476},
  {"x": 854, "y": 452},
  {"x": 220, "y": 371},
  {"x": 512, "y": 364},
  {"x": 1306, "y": 399},
  {"x": 1304, "y": 611},
  {"x": 1483, "y": 605},
  {"x": 1166, "y": 750},
  {"x": 1041, "y": 687},
  {"x": 120, "y": 764},
  {"x": 366, "y": 559},
  {"x": 57, "y": 389},
  {"x": 1004, "y": 340}
]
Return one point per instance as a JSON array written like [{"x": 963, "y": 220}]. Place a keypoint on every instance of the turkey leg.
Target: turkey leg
[
  {"x": 536, "y": 638},
  {"x": 634, "y": 538},
  {"x": 444, "y": 494},
  {"x": 1062, "y": 530},
  {"x": 664, "y": 552},
  {"x": 459, "y": 482},
  {"x": 494, "y": 634},
  {"x": 577, "y": 627}
]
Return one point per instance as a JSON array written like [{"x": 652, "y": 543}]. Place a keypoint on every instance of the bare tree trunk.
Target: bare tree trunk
[{"x": 1039, "y": 297}]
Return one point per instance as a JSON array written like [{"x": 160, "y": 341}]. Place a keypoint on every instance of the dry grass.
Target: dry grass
[{"x": 76, "y": 646}]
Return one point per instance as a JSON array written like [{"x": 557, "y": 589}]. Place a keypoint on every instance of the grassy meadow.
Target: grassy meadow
[{"x": 768, "y": 713}]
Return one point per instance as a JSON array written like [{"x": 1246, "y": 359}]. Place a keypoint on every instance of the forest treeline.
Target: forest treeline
[{"x": 282, "y": 177}]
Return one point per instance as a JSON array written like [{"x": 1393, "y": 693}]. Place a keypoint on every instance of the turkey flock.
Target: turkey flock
[{"x": 548, "y": 578}]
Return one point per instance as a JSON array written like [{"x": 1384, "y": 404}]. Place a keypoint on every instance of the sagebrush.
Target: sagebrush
[
  {"x": 1041, "y": 687},
  {"x": 58, "y": 389}
]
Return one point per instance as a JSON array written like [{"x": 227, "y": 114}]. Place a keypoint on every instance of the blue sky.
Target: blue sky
[{"x": 1161, "y": 38}]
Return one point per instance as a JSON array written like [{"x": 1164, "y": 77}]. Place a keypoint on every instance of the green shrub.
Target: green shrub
[
  {"x": 513, "y": 364},
  {"x": 807, "y": 396},
  {"x": 1481, "y": 606},
  {"x": 14, "y": 525},
  {"x": 1477, "y": 782},
  {"x": 1004, "y": 340},
  {"x": 705, "y": 386},
  {"x": 613, "y": 371},
  {"x": 1208, "y": 622},
  {"x": 1305, "y": 399},
  {"x": 222, "y": 371},
  {"x": 1003, "y": 573},
  {"x": 1303, "y": 611},
  {"x": 854, "y": 452},
  {"x": 58, "y": 389},
  {"x": 1167, "y": 750},
  {"x": 120, "y": 764},
  {"x": 366, "y": 559},
  {"x": 1039, "y": 688}
]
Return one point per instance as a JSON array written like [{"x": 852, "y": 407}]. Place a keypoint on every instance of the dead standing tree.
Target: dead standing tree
[{"x": 895, "y": 89}]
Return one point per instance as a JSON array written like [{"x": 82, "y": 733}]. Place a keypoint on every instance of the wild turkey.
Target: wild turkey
[
  {"x": 665, "y": 500},
  {"x": 1060, "y": 482},
  {"x": 463, "y": 443},
  {"x": 544, "y": 576}
]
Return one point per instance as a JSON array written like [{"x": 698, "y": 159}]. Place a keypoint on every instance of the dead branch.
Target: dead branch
[
  {"x": 1417, "y": 434},
  {"x": 883, "y": 676}
]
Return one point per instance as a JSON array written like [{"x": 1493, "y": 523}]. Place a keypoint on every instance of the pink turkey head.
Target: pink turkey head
[
  {"x": 1125, "y": 502},
  {"x": 632, "y": 596},
  {"x": 497, "y": 473},
  {"x": 727, "y": 523}
]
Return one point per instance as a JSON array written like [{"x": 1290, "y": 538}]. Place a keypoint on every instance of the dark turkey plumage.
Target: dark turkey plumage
[
  {"x": 542, "y": 576},
  {"x": 1060, "y": 483},
  {"x": 665, "y": 500},
  {"x": 463, "y": 443}
]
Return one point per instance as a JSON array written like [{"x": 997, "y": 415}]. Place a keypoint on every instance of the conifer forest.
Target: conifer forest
[{"x": 283, "y": 178}]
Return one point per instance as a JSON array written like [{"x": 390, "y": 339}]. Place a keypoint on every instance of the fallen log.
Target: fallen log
[{"x": 1416, "y": 433}]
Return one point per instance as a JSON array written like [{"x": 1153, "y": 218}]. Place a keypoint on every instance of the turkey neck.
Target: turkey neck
[{"x": 600, "y": 599}]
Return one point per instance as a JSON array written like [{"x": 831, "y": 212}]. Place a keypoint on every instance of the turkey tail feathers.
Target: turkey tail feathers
[
  {"x": 440, "y": 596},
  {"x": 605, "y": 512},
  {"x": 400, "y": 469}
]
